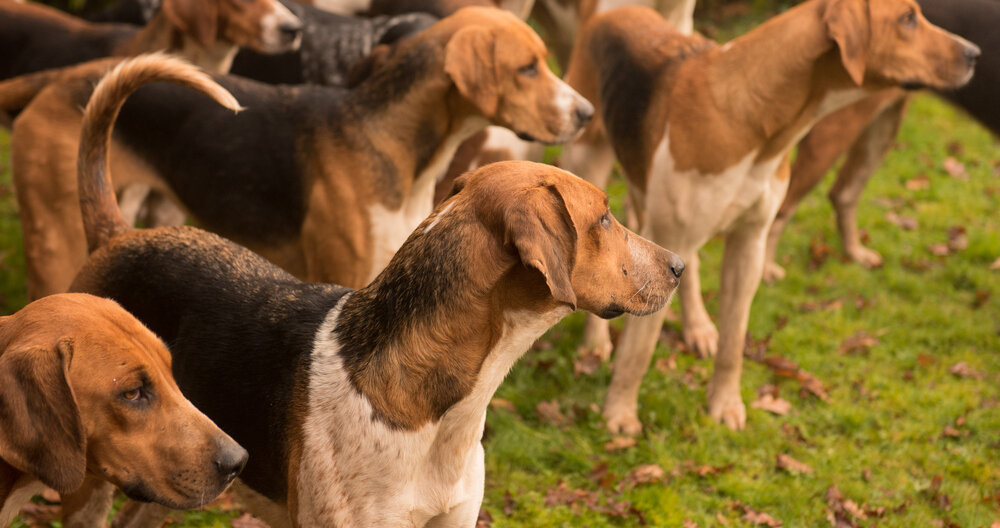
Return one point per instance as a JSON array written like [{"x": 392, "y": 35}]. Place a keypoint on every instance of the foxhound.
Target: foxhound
[
  {"x": 86, "y": 391},
  {"x": 703, "y": 134},
  {"x": 365, "y": 407}
]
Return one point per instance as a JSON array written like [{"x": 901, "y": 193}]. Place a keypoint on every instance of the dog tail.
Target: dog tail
[
  {"x": 16, "y": 93},
  {"x": 102, "y": 219}
]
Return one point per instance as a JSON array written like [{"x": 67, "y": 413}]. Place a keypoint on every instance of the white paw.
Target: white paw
[
  {"x": 726, "y": 406},
  {"x": 868, "y": 258},
  {"x": 773, "y": 272},
  {"x": 622, "y": 421},
  {"x": 702, "y": 338}
]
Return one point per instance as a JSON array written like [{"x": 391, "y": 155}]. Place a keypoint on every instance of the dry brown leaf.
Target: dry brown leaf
[
  {"x": 485, "y": 519},
  {"x": 618, "y": 443},
  {"x": 549, "y": 413},
  {"x": 769, "y": 403},
  {"x": 860, "y": 342},
  {"x": 586, "y": 363},
  {"x": 955, "y": 168},
  {"x": 918, "y": 183},
  {"x": 907, "y": 223},
  {"x": 819, "y": 251},
  {"x": 667, "y": 364},
  {"x": 722, "y": 520},
  {"x": 757, "y": 518},
  {"x": 957, "y": 241},
  {"x": 789, "y": 369},
  {"x": 508, "y": 503},
  {"x": 837, "y": 512},
  {"x": 940, "y": 250},
  {"x": 500, "y": 404},
  {"x": 963, "y": 370},
  {"x": 644, "y": 474},
  {"x": 934, "y": 495},
  {"x": 248, "y": 521},
  {"x": 688, "y": 523},
  {"x": 925, "y": 360},
  {"x": 791, "y": 465}
]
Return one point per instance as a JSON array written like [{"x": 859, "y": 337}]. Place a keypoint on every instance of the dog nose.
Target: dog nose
[
  {"x": 229, "y": 458},
  {"x": 676, "y": 266},
  {"x": 290, "y": 31},
  {"x": 972, "y": 53},
  {"x": 584, "y": 113}
]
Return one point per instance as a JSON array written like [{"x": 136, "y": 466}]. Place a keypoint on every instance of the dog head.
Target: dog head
[
  {"x": 498, "y": 64},
  {"x": 266, "y": 26},
  {"x": 86, "y": 388},
  {"x": 559, "y": 227},
  {"x": 889, "y": 42}
]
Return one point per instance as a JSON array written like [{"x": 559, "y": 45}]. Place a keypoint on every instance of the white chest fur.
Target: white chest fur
[{"x": 357, "y": 472}]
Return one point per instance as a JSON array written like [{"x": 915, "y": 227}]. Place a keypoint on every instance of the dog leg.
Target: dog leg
[
  {"x": 635, "y": 349},
  {"x": 140, "y": 515},
  {"x": 88, "y": 506},
  {"x": 864, "y": 158},
  {"x": 466, "y": 513},
  {"x": 700, "y": 334}
]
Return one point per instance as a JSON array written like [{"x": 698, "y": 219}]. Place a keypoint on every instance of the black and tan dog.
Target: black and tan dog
[
  {"x": 365, "y": 408},
  {"x": 86, "y": 390},
  {"x": 326, "y": 183}
]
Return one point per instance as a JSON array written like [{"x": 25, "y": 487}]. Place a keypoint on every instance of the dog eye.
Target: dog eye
[
  {"x": 529, "y": 70},
  {"x": 606, "y": 220},
  {"x": 909, "y": 19},
  {"x": 133, "y": 395}
]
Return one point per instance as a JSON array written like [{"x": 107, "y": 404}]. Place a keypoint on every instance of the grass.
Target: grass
[{"x": 882, "y": 439}]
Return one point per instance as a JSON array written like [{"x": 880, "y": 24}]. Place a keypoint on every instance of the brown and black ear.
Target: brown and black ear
[
  {"x": 848, "y": 24},
  {"x": 542, "y": 231},
  {"x": 41, "y": 432},
  {"x": 469, "y": 59},
  {"x": 198, "y": 18}
]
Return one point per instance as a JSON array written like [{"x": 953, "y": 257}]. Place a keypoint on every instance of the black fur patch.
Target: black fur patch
[{"x": 240, "y": 331}]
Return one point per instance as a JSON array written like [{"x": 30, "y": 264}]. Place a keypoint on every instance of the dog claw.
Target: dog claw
[
  {"x": 702, "y": 338},
  {"x": 726, "y": 406}
]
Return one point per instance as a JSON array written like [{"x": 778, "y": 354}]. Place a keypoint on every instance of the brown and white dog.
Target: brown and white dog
[
  {"x": 703, "y": 134},
  {"x": 86, "y": 391},
  {"x": 326, "y": 183},
  {"x": 35, "y": 37},
  {"x": 365, "y": 408}
]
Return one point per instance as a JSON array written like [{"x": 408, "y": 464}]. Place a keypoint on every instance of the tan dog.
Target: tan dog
[
  {"x": 365, "y": 408},
  {"x": 703, "y": 135},
  {"x": 86, "y": 391},
  {"x": 345, "y": 175}
]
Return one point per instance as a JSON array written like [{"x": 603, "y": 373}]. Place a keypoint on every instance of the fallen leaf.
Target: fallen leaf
[
  {"x": 945, "y": 523},
  {"x": 771, "y": 404},
  {"x": 549, "y": 413},
  {"x": 827, "y": 306},
  {"x": 248, "y": 521},
  {"x": 838, "y": 513},
  {"x": 757, "y": 518},
  {"x": 704, "y": 470},
  {"x": 586, "y": 363},
  {"x": 955, "y": 168},
  {"x": 791, "y": 465},
  {"x": 954, "y": 148},
  {"x": 793, "y": 433},
  {"x": 789, "y": 369},
  {"x": 601, "y": 476},
  {"x": 508, "y": 504},
  {"x": 722, "y": 520},
  {"x": 667, "y": 364},
  {"x": 925, "y": 360},
  {"x": 485, "y": 519},
  {"x": 688, "y": 523},
  {"x": 819, "y": 251},
  {"x": 861, "y": 342},
  {"x": 963, "y": 370},
  {"x": 940, "y": 250},
  {"x": 500, "y": 404},
  {"x": 907, "y": 223},
  {"x": 957, "y": 241},
  {"x": 952, "y": 432},
  {"x": 644, "y": 474},
  {"x": 618, "y": 443},
  {"x": 934, "y": 495},
  {"x": 918, "y": 182},
  {"x": 982, "y": 297}
]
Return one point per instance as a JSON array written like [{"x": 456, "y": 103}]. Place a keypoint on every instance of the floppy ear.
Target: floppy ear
[
  {"x": 198, "y": 18},
  {"x": 542, "y": 231},
  {"x": 40, "y": 428},
  {"x": 847, "y": 23},
  {"x": 469, "y": 61}
]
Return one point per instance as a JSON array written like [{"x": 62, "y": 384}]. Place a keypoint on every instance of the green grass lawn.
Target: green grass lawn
[{"x": 902, "y": 437}]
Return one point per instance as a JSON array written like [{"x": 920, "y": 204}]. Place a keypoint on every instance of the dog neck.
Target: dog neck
[
  {"x": 160, "y": 35},
  {"x": 780, "y": 78}
]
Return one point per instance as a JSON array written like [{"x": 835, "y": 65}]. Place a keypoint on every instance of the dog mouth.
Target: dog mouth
[
  {"x": 611, "y": 311},
  {"x": 912, "y": 86}
]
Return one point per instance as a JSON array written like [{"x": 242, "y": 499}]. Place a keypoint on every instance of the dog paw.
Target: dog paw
[
  {"x": 773, "y": 272},
  {"x": 622, "y": 421},
  {"x": 702, "y": 338},
  {"x": 868, "y": 258},
  {"x": 600, "y": 349},
  {"x": 726, "y": 406}
]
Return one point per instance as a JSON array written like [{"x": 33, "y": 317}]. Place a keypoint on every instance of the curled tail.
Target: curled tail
[{"x": 102, "y": 219}]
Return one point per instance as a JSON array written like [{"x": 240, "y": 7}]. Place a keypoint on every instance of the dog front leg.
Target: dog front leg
[
  {"x": 700, "y": 334},
  {"x": 635, "y": 348},
  {"x": 466, "y": 514},
  {"x": 88, "y": 506},
  {"x": 742, "y": 262},
  {"x": 136, "y": 514}
]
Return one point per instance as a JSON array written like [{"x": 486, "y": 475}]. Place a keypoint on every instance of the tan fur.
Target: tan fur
[
  {"x": 713, "y": 152},
  {"x": 74, "y": 355}
]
